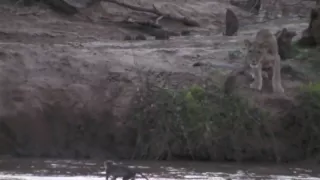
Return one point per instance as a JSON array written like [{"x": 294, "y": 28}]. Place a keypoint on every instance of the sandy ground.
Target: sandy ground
[{"x": 39, "y": 30}]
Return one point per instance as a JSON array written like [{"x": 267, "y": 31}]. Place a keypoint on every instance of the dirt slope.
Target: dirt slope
[{"x": 67, "y": 83}]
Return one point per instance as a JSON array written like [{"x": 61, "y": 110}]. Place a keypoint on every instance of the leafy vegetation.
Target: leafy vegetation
[
  {"x": 202, "y": 123},
  {"x": 302, "y": 121},
  {"x": 197, "y": 123},
  {"x": 307, "y": 55}
]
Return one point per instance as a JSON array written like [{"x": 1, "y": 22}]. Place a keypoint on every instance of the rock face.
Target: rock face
[{"x": 311, "y": 35}]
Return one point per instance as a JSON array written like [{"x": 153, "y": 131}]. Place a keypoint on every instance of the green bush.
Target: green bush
[
  {"x": 204, "y": 124},
  {"x": 196, "y": 123},
  {"x": 309, "y": 56},
  {"x": 302, "y": 121}
]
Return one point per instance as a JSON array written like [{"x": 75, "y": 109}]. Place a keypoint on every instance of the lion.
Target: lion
[{"x": 262, "y": 54}]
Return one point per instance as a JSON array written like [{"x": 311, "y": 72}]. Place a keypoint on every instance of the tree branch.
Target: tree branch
[{"x": 154, "y": 10}]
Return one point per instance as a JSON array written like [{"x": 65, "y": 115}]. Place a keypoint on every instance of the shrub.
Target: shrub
[
  {"x": 302, "y": 123},
  {"x": 196, "y": 123},
  {"x": 307, "y": 55}
]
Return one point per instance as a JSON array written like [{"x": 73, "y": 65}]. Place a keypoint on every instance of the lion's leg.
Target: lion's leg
[
  {"x": 276, "y": 76},
  {"x": 257, "y": 82}
]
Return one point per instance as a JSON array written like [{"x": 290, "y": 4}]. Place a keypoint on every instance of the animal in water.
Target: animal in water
[
  {"x": 284, "y": 40},
  {"x": 117, "y": 171},
  {"x": 231, "y": 23},
  {"x": 262, "y": 54}
]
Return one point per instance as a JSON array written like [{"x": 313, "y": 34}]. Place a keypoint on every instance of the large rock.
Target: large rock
[
  {"x": 231, "y": 23},
  {"x": 311, "y": 35}
]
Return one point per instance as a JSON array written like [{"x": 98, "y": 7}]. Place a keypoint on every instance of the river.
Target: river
[{"x": 47, "y": 169}]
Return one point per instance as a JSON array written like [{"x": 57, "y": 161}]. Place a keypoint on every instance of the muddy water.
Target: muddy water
[{"x": 33, "y": 169}]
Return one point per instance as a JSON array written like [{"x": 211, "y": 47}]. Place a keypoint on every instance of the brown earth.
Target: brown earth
[{"x": 67, "y": 83}]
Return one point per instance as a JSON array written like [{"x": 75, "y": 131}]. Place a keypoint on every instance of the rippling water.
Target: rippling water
[{"x": 34, "y": 169}]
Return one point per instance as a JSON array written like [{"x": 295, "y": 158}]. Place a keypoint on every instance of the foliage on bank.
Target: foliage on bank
[
  {"x": 203, "y": 124},
  {"x": 307, "y": 56},
  {"x": 196, "y": 123},
  {"x": 302, "y": 123}
]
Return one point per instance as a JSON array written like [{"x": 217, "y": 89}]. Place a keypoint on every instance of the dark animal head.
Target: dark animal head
[{"x": 285, "y": 35}]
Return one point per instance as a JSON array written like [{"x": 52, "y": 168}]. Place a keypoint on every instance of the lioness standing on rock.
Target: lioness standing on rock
[{"x": 262, "y": 53}]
